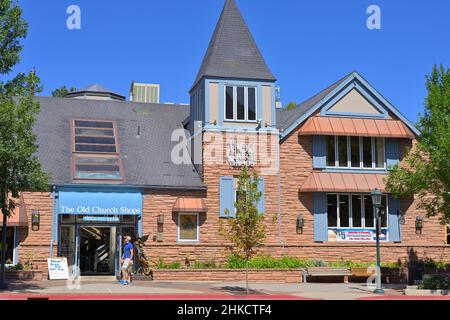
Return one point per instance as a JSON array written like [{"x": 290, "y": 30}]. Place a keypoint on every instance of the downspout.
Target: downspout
[
  {"x": 55, "y": 217},
  {"x": 280, "y": 207}
]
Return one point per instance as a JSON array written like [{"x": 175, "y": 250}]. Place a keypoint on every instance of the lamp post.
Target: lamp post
[{"x": 376, "y": 201}]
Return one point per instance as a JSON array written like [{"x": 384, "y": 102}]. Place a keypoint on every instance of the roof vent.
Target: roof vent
[{"x": 144, "y": 92}]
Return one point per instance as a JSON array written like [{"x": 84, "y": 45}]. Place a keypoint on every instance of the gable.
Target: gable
[{"x": 354, "y": 103}]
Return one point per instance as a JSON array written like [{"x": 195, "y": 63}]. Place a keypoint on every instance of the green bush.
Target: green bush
[
  {"x": 430, "y": 263},
  {"x": 441, "y": 282},
  {"x": 175, "y": 265}
]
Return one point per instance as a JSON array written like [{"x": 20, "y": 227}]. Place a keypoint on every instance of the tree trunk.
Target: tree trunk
[
  {"x": 3, "y": 256},
  {"x": 246, "y": 275}
]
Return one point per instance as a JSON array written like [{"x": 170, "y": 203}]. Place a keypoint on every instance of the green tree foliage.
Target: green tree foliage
[
  {"x": 290, "y": 106},
  {"x": 62, "y": 92},
  {"x": 13, "y": 28},
  {"x": 428, "y": 174},
  {"x": 247, "y": 231},
  {"x": 20, "y": 169}
]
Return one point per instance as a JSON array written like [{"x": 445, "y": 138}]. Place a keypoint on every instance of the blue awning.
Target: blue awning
[{"x": 96, "y": 203}]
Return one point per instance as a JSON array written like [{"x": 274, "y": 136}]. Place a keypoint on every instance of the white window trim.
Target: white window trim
[
  {"x": 361, "y": 154},
  {"x": 363, "y": 213},
  {"x": 179, "y": 227},
  {"x": 246, "y": 120}
]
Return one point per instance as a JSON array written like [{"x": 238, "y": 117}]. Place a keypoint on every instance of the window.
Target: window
[
  {"x": 10, "y": 245},
  {"x": 342, "y": 151},
  {"x": 331, "y": 151},
  {"x": 332, "y": 210},
  {"x": 356, "y": 152},
  {"x": 353, "y": 211},
  {"x": 188, "y": 227},
  {"x": 240, "y": 104},
  {"x": 95, "y": 151},
  {"x": 447, "y": 228}
]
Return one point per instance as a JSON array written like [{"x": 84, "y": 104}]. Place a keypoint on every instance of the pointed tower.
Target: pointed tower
[{"x": 234, "y": 86}]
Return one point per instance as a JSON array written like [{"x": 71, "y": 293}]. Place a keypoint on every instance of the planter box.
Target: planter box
[
  {"x": 227, "y": 275},
  {"x": 22, "y": 275},
  {"x": 414, "y": 291}
]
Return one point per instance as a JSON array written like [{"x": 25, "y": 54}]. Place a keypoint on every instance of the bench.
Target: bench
[{"x": 345, "y": 273}]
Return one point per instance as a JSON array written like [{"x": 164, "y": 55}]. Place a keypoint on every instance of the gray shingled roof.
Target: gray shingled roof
[
  {"x": 286, "y": 118},
  {"x": 232, "y": 51},
  {"x": 147, "y": 160}
]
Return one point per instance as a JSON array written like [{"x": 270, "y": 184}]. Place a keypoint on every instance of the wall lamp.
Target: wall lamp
[
  {"x": 401, "y": 217},
  {"x": 160, "y": 222},
  {"x": 35, "y": 220},
  {"x": 419, "y": 224},
  {"x": 300, "y": 224}
]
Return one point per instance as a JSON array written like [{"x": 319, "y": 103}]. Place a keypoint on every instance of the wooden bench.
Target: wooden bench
[{"x": 345, "y": 273}]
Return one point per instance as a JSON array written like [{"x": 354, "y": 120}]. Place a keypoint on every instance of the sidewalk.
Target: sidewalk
[{"x": 107, "y": 289}]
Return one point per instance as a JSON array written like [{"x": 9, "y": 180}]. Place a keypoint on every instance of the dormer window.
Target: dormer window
[
  {"x": 240, "y": 104},
  {"x": 95, "y": 151}
]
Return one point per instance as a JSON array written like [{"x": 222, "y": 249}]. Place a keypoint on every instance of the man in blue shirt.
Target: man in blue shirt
[{"x": 127, "y": 261}]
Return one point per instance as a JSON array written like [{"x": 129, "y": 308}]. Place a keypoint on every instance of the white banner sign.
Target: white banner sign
[{"x": 58, "y": 268}]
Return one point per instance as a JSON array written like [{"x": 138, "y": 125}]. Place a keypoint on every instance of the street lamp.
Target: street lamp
[{"x": 376, "y": 201}]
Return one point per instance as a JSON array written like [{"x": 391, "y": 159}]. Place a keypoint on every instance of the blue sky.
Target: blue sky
[{"x": 307, "y": 44}]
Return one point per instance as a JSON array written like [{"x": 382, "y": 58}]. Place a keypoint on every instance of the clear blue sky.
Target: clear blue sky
[{"x": 307, "y": 44}]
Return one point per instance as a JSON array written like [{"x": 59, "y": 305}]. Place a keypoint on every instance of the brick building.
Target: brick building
[{"x": 125, "y": 168}]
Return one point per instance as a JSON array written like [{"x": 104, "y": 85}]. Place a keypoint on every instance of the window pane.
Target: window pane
[
  {"x": 96, "y": 161},
  {"x": 332, "y": 210},
  {"x": 356, "y": 211},
  {"x": 229, "y": 103},
  {"x": 368, "y": 212},
  {"x": 188, "y": 227},
  {"x": 251, "y": 104},
  {"x": 94, "y": 132},
  {"x": 240, "y": 103},
  {"x": 367, "y": 152},
  {"x": 448, "y": 234},
  {"x": 384, "y": 215},
  {"x": 379, "y": 152},
  {"x": 331, "y": 154},
  {"x": 94, "y": 148},
  {"x": 95, "y": 140},
  {"x": 344, "y": 211},
  {"x": 67, "y": 243},
  {"x": 355, "y": 156},
  {"x": 97, "y": 175},
  {"x": 342, "y": 150},
  {"x": 93, "y": 124},
  {"x": 9, "y": 245}
]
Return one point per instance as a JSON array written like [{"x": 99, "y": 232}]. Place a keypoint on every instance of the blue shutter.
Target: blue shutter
[
  {"x": 226, "y": 191},
  {"x": 319, "y": 152},
  {"x": 392, "y": 152},
  {"x": 320, "y": 217},
  {"x": 395, "y": 232},
  {"x": 262, "y": 189}
]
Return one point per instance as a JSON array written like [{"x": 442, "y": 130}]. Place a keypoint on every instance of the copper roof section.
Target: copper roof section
[
  {"x": 190, "y": 205},
  {"x": 356, "y": 126},
  {"x": 19, "y": 218},
  {"x": 343, "y": 182}
]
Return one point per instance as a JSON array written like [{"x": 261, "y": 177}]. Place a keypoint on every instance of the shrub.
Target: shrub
[
  {"x": 175, "y": 265},
  {"x": 441, "y": 282},
  {"x": 430, "y": 263}
]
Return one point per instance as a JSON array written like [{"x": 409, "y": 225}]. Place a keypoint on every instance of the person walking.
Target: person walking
[{"x": 127, "y": 261}]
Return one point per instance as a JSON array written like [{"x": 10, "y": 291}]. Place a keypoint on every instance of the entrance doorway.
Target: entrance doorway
[{"x": 97, "y": 250}]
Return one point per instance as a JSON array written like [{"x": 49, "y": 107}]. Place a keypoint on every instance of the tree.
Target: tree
[
  {"x": 290, "y": 106},
  {"x": 62, "y": 92},
  {"x": 427, "y": 173},
  {"x": 20, "y": 169},
  {"x": 246, "y": 231}
]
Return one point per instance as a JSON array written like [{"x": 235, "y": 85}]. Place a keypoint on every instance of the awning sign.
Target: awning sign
[{"x": 91, "y": 204}]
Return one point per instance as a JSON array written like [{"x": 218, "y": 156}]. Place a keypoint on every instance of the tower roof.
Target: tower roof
[
  {"x": 95, "y": 90},
  {"x": 232, "y": 51}
]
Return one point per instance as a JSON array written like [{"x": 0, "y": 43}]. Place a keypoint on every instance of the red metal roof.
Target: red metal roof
[
  {"x": 190, "y": 205},
  {"x": 356, "y": 126},
  {"x": 343, "y": 182}
]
